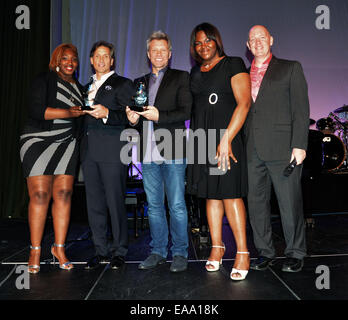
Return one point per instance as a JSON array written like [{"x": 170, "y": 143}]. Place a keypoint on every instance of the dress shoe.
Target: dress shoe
[
  {"x": 292, "y": 265},
  {"x": 96, "y": 261},
  {"x": 152, "y": 261},
  {"x": 117, "y": 262},
  {"x": 179, "y": 264},
  {"x": 262, "y": 263}
]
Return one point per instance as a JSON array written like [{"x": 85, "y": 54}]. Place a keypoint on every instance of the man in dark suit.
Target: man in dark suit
[
  {"x": 169, "y": 100},
  {"x": 104, "y": 173},
  {"x": 276, "y": 134}
]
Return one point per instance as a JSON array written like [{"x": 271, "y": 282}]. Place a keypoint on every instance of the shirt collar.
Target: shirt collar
[
  {"x": 266, "y": 62},
  {"x": 161, "y": 71},
  {"x": 103, "y": 77}
]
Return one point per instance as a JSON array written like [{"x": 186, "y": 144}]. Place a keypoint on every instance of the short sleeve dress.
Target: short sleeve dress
[{"x": 214, "y": 104}]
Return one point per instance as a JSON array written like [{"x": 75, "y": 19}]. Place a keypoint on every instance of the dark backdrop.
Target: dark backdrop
[{"x": 23, "y": 54}]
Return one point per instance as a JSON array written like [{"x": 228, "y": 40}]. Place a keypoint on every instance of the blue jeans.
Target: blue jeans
[{"x": 160, "y": 179}]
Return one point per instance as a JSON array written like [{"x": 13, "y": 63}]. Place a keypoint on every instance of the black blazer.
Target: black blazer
[
  {"x": 101, "y": 140},
  {"x": 279, "y": 118},
  {"x": 174, "y": 103}
]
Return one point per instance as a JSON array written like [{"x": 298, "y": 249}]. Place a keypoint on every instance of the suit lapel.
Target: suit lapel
[
  {"x": 147, "y": 82},
  {"x": 145, "y": 131},
  {"x": 163, "y": 84},
  {"x": 107, "y": 82}
]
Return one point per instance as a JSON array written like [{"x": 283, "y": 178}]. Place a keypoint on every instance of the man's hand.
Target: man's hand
[
  {"x": 299, "y": 155},
  {"x": 98, "y": 112},
  {"x": 133, "y": 117},
  {"x": 151, "y": 113}
]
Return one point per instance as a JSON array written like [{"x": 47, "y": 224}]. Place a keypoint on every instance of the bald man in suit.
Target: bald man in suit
[{"x": 276, "y": 134}]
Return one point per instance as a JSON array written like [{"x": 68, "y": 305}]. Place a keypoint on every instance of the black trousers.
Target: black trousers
[
  {"x": 105, "y": 192},
  {"x": 261, "y": 175}
]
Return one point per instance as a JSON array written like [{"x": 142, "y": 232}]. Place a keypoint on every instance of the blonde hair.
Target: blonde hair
[{"x": 158, "y": 35}]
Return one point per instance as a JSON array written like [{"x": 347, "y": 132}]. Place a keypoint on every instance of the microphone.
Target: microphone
[{"x": 290, "y": 168}]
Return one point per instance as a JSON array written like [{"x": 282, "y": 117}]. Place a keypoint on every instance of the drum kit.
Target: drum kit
[{"x": 327, "y": 146}]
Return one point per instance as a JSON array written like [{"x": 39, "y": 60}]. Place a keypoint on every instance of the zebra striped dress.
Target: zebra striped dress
[{"x": 52, "y": 152}]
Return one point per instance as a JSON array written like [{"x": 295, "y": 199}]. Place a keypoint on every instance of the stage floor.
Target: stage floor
[{"x": 327, "y": 246}]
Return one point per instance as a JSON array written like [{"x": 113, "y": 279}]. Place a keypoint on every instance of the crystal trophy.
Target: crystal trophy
[{"x": 140, "y": 97}]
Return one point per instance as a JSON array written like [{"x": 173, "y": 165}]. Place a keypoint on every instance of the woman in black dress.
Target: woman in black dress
[
  {"x": 49, "y": 151},
  {"x": 221, "y": 90}
]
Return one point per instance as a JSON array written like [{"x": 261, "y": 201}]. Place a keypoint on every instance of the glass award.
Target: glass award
[{"x": 140, "y": 97}]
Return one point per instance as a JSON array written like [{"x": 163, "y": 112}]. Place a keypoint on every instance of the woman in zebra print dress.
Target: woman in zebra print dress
[{"x": 49, "y": 151}]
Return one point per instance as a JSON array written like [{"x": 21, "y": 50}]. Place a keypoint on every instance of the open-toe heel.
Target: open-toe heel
[
  {"x": 215, "y": 264},
  {"x": 235, "y": 272},
  {"x": 64, "y": 266},
  {"x": 34, "y": 268}
]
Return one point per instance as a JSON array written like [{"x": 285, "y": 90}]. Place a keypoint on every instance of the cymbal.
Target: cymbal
[
  {"x": 342, "y": 109},
  {"x": 311, "y": 121}
]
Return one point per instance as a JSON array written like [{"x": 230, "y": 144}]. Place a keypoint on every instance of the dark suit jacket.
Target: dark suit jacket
[
  {"x": 279, "y": 118},
  {"x": 101, "y": 140},
  {"x": 174, "y": 102}
]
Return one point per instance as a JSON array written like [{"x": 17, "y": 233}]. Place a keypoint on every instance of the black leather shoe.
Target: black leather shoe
[
  {"x": 262, "y": 263},
  {"x": 152, "y": 261},
  {"x": 117, "y": 262},
  {"x": 292, "y": 265},
  {"x": 179, "y": 264},
  {"x": 96, "y": 261}
]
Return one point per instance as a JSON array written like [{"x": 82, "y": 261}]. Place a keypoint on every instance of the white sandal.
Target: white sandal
[
  {"x": 242, "y": 273},
  {"x": 214, "y": 263}
]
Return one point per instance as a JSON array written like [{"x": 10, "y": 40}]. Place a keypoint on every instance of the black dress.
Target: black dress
[{"x": 214, "y": 104}]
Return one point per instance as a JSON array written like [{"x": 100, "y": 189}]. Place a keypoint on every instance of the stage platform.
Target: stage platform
[{"x": 327, "y": 246}]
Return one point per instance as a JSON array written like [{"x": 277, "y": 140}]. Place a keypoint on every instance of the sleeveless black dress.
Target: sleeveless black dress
[{"x": 214, "y": 104}]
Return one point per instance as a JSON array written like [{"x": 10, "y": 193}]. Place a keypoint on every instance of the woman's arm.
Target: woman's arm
[
  {"x": 55, "y": 113},
  {"x": 38, "y": 100},
  {"x": 241, "y": 88}
]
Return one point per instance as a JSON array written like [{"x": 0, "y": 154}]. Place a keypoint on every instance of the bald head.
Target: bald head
[
  {"x": 258, "y": 28},
  {"x": 259, "y": 43}
]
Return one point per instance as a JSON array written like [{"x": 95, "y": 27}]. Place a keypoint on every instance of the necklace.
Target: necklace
[{"x": 211, "y": 64}]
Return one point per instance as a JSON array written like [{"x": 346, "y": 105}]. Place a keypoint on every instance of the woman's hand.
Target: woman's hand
[
  {"x": 76, "y": 111},
  {"x": 98, "y": 112},
  {"x": 224, "y": 153}
]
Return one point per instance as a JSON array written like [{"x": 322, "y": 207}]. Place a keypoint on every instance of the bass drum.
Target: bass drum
[
  {"x": 334, "y": 152},
  {"x": 313, "y": 162},
  {"x": 326, "y": 125}
]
